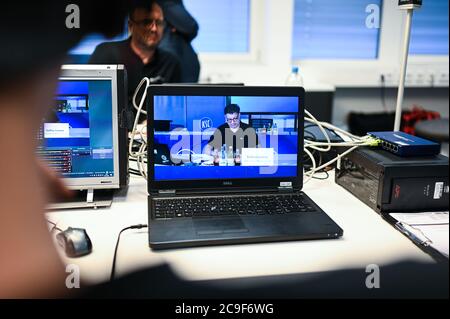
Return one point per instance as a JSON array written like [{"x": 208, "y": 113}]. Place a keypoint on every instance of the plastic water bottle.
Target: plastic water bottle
[
  {"x": 294, "y": 78},
  {"x": 275, "y": 129},
  {"x": 223, "y": 156},
  {"x": 230, "y": 156},
  {"x": 237, "y": 158}
]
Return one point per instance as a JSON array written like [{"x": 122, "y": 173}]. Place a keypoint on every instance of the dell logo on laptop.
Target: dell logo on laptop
[{"x": 227, "y": 183}]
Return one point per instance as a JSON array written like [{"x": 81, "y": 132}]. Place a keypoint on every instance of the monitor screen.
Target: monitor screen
[
  {"x": 78, "y": 136},
  {"x": 225, "y": 137}
]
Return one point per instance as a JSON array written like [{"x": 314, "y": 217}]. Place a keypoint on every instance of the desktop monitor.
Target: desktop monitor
[{"x": 82, "y": 137}]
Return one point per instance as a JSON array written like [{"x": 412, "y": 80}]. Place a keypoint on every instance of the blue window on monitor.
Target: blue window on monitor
[
  {"x": 76, "y": 136},
  {"x": 224, "y": 25},
  {"x": 330, "y": 29},
  {"x": 429, "y": 34},
  {"x": 207, "y": 137}
]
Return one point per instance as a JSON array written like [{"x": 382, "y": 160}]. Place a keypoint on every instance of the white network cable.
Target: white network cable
[
  {"x": 314, "y": 120},
  {"x": 141, "y": 155}
]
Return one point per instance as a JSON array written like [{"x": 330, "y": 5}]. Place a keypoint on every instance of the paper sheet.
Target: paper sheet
[
  {"x": 433, "y": 225},
  {"x": 431, "y": 218},
  {"x": 438, "y": 234}
]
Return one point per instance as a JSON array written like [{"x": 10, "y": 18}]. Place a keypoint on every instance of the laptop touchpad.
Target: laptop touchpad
[{"x": 215, "y": 226}]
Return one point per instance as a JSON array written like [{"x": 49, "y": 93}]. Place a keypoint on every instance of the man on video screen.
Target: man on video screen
[{"x": 232, "y": 136}]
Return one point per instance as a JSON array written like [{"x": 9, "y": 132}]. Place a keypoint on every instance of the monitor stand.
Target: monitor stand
[{"x": 85, "y": 199}]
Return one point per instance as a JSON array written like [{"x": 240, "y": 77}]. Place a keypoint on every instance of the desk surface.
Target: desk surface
[{"x": 367, "y": 239}]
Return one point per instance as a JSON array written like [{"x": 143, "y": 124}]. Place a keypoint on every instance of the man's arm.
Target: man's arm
[
  {"x": 208, "y": 149},
  {"x": 176, "y": 14},
  {"x": 215, "y": 142}
]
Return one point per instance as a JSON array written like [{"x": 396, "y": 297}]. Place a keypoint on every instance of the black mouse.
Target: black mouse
[{"x": 75, "y": 242}]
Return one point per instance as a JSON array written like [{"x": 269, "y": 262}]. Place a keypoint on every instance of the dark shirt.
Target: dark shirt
[
  {"x": 163, "y": 64},
  {"x": 175, "y": 43},
  {"x": 179, "y": 42},
  {"x": 245, "y": 137}
]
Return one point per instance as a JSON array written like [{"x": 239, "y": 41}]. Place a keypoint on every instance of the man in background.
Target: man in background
[{"x": 181, "y": 29}]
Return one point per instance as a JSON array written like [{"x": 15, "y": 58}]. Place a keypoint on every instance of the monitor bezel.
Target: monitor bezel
[
  {"x": 223, "y": 184},
  {"x": 97, "y": 72}
]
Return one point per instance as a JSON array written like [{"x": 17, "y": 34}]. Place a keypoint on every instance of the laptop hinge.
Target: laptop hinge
[
  {"x": 166, "y": 192},
  {"x": 286, "y": 189}
]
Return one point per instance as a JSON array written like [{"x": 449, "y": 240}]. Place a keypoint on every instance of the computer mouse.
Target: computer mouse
[{"x": 75, "y": 242}]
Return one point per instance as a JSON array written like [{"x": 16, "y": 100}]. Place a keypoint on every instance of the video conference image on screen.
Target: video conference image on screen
[{"x": 207, "y": 137}]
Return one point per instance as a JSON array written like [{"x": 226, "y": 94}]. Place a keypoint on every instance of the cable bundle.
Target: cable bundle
[
  {"x": 354, "y": 143},
  {"x": 141, "y": 155}
]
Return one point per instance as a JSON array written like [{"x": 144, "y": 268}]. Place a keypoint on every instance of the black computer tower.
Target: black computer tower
[{"x": 389, "y": 183}]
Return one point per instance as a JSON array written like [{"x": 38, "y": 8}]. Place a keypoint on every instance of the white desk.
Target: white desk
[{"x": 367, "y": 239}]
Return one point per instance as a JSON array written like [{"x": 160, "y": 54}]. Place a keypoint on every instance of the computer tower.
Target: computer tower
[{"x": 389, "y": 183}]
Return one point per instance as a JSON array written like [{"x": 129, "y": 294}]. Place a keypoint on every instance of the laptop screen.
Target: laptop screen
[
  {"x": 76, "y": 136},
  {"x": 225, "y": 137}
]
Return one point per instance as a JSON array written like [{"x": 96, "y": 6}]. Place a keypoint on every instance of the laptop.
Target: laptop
[
  {"x": 83, "y": 137},
  {"x": 228, "y": 182}
]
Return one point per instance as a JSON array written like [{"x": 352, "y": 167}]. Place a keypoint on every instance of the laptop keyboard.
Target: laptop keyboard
[{"x": 231, "y": 205}]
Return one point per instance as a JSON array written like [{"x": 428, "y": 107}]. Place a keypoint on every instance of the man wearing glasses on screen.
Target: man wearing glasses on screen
[{"x": 231, "y": 137}]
